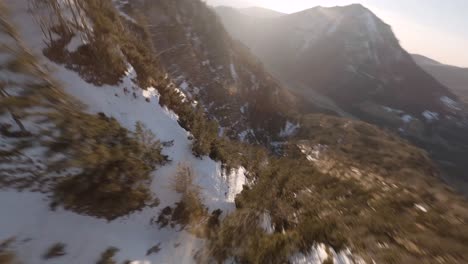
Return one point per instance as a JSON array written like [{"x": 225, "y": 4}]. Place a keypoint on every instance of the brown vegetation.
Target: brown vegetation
[
  {"x": 56, "y": 250},
  {"x": 113, "y": 178},
  {"x": 107, "y": 257}
]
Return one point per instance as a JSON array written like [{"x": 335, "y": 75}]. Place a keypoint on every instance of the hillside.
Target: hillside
[
  {"x": 81, "y": 230},
  {"x": 116, "y": 148},
  {"x": 365, "y": 200},
  {"x": 219, "y": 73}
]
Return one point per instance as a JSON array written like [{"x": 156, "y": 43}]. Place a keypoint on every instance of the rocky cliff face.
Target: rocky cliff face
[{"x": 218, "y": 72}]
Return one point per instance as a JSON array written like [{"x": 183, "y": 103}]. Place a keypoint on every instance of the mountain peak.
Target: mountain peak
[
  {"x": 354, "y": 14},
  {"x": 351, "y": 7},
  {"x": 356, "y": 6}
]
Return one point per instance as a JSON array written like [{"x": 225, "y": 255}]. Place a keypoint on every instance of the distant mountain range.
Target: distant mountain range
[{"x": 455, "y": 78}]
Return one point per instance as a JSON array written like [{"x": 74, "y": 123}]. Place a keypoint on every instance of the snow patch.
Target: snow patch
[
  {"x": 265, "y": 223},
  {"x": 450, "y": 103},
  {"x": 244, "y": 134},
  {"x": 420, "y": 208},
  {"x": 236, "y": 181},
  {"x": 312, "y": 153},
  {"x": 244, "y": 108},
  {"x": 150, "y": 92},
  {"x": 392, "y": 110},
  {"x": 184, "y": 86},
  {"x": 407, "y": 118},
  {"x": 119, "y": 4},
  {"x": 430, "y": 116},
  {"x": 370, "y": 76},
  {"x": 319, "y": 253},
  {"x": 182, "y": 94},
  {"x": 289, "y": 129},
  {"x": 221, "y": 131},
  {"x": 75, "y": 43},
  {"x": 233, "y": 72}
]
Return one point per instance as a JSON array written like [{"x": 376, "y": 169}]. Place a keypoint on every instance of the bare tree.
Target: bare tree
[{"x": 64, "y": 18}]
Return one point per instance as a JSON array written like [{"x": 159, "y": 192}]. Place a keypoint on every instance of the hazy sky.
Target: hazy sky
[{"x": 434, "y": 28}]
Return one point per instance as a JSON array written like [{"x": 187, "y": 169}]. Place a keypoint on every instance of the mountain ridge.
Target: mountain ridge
[
  {"x": 351, "y": 61},
  {"x": 260, "y": 12},
  {"x": 311, "y": 35},
  {"x": 421, "y": 59}
]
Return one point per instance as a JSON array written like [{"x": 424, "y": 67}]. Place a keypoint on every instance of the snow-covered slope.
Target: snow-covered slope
[{"x": 27, "y": 217}]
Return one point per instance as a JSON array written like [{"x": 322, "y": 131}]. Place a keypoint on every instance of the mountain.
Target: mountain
[
  {"x": 455, "y": 78},
  {"x": 216, "y": 71},
  {"x": 345, "y": 53},
  {"x": 348, "y": 61},
  {"x": 115, "y": 148}
]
